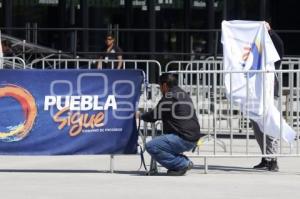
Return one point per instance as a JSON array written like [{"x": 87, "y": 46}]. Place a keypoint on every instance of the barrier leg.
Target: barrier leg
[
  {"x": 205, "y": 165},
  {"x": 153, "y": 164},
  {"x": 111, "y": 163},
  {"x": 153, "y": 167}
]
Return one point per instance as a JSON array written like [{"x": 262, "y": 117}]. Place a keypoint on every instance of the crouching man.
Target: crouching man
[{"x": 181, "y": 129}]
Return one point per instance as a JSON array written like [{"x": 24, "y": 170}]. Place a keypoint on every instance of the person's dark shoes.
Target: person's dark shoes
[
  {"x": 273, "y": 166},
  {"x": 262, "y": 165},
  {"x": 180, "y": 172},
  {"x": 176, "y": 173}
]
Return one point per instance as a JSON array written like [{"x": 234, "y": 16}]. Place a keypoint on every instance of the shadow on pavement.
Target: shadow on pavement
[
  {"x": 229, "y": 168},
  {"x": 136, "y": 173}
]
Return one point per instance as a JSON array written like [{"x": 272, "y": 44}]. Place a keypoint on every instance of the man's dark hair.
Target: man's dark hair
[
  {"x": 169, "y": 79},
  {"x": 110, "y": 35}
]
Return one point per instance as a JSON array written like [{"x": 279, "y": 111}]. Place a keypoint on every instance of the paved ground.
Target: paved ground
[{"x": 87, "y": 177}]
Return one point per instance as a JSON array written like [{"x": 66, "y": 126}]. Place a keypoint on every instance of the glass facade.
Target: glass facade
[{"x": 177, "y": 28}]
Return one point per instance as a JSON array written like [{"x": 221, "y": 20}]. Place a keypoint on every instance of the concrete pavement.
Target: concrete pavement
[{"x": 82, "y": 177}]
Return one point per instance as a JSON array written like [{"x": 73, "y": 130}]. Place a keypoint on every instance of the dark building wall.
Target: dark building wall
[
  {"x": 102, "y": 14},
  {"x": 284, "y": 16}
]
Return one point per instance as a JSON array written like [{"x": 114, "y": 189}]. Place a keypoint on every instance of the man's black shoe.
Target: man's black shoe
[
  {"x": 273, "y": 166},
  {"x": 264, "y": 164},
  {"x": 180, "y": 172}
]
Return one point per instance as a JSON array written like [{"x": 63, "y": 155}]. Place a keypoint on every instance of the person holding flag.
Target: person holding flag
[
  {"x": 271, "y": 142},
  {"x": 250, "y": 49}
]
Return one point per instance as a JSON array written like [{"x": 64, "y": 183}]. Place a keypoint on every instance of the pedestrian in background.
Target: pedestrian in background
[{"x": 112, "y": 55}]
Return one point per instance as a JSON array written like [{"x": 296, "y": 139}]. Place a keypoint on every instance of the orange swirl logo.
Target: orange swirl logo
[{"x": 29, "y": 109}]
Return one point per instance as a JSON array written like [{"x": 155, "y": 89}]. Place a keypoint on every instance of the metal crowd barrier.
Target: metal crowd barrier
[
  {"x": 228, "y": 131},
  {"x": 80, "y": 63},
  {"x": 149, "y": 91},
  {"x": 12, "y": 63},
  {"x": 223, "y": 122},
  {"x": 191, "y": 83},
  {"x": 293, "y": 59},
  {"x": 66, "y": 64}
]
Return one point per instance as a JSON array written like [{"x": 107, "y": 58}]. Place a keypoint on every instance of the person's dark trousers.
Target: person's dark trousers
[
  {"x": 167, "y": 150},
  {"x": 271, "y": 148}
]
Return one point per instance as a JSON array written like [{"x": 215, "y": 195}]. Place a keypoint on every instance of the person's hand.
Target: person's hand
[{"x": 268, "y": 26}]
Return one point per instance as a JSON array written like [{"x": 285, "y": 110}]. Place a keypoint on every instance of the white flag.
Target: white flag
[{"x": 248, "y": 47}]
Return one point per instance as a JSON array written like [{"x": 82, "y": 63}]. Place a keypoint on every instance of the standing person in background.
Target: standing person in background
[
  {"x": 270, "y": 163},
  {"x": 7, "y": 49},
  {"x": 111, "y": 52}
]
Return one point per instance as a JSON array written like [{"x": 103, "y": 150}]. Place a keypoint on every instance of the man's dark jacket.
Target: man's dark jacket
[
  {"x": 278, "y": 43},
  {"x": 176, "y": 110}
]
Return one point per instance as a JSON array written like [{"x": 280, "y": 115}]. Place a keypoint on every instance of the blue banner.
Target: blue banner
[{"x": 64, "y": 112}]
